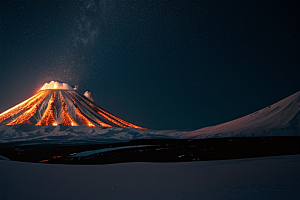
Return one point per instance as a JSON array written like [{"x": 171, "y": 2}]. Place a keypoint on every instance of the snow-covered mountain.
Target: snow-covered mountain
[{"x": 281, "y": 119}]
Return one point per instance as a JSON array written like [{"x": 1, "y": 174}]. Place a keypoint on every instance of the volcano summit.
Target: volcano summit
[{"x": 58, "y": 103}]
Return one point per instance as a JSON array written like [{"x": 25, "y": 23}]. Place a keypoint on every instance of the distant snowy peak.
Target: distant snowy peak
[{"x": 279, "y": 118}]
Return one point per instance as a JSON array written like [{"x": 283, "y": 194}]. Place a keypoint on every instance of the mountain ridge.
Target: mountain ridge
[{"x": 281, "y": 116}]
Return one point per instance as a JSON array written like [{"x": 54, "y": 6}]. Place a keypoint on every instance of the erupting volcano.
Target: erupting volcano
[{"x": 58, "y": 103}]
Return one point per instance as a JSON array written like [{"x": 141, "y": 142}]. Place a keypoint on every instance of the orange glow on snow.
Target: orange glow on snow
[
  {"x": 98, "y": 121},
  {"x": 103, "y": 124},
  {"x": 95, "y": 107},
  {"x": 111, "y": 117},
  {"x": 67, "y": 119},
  {"x": 23, "y": 105},
  {"x": 120, "y": 120},
  {"x": 24, "y": 118},
  {"x": 14, "y": 110},
  {"x": 85, "y": 121},
  {"x": 48, "y": 116},
  {"x": 50, "y": 102}
]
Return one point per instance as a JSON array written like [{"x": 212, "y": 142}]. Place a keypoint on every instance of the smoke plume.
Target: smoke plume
[{"x": 88, "y": 95}]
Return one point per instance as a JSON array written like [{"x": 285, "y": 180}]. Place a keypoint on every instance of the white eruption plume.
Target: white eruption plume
[
  {"x": 54, "y": 85},
  {"x": 88, "y": 95}
]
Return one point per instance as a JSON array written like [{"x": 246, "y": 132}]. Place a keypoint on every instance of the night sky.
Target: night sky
[{"x": 160, "y": 64}]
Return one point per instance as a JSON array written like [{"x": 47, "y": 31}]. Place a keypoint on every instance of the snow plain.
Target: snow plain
[{"x": 274, "y": 178}]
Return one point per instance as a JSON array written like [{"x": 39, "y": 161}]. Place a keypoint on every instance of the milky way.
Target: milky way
[{"x": 161, "y": 64}]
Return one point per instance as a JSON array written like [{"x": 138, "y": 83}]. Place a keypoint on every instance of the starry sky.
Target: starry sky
[{"x": 160, "y": 64}]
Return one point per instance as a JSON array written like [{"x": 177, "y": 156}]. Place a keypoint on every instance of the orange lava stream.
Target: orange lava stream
[
  {"x": 23, "y": 105},
  {"x": 103, "y": 124},
  {"x": 102, "y": 114},
  {"x": 67, "y": 119},
  {"x": 85, "y": 121},
  {"x": 98, "y": 121},
  {"x": 28, "y": 114},
  {"x": 113, "y": 118},
  {"x": 120, "y": 120},
  {"x": 110, "y": 119},
  {"x": 71, "y": 95},
  {"x": 48, "y": 117},
  {"x": 16, "y": 109}
]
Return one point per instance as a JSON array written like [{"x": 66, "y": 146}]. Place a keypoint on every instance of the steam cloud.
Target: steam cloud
[
  {"x": 54, "y": 85},
  {"x": 88, "y": 95}
]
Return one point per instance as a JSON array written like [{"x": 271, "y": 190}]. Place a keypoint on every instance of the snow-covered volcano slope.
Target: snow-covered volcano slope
[
  {"x": 51, "y": 107},
  {"x": 279, "y": 119}
]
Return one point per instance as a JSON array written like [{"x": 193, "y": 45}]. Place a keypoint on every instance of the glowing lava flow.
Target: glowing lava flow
[
  {"x": 120, "y": 120},
  {"x": 54, "y": 105},
  {"x": 24, "y": 118},
  {"x": 112, "y": 118},
  {"x": 67, "y": 119},
  {"x": 98, "y": 121},
  {"x": 20, "y": 107},
  {"x": 48, "y": 116},
  {"x": 85, "y": 121},
  {"x": 103, "y": 115},
  {"x": 103, "y": 124}
]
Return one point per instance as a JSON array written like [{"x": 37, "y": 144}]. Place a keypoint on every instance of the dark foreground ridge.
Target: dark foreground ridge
[{"x": 154, "y": 150}]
